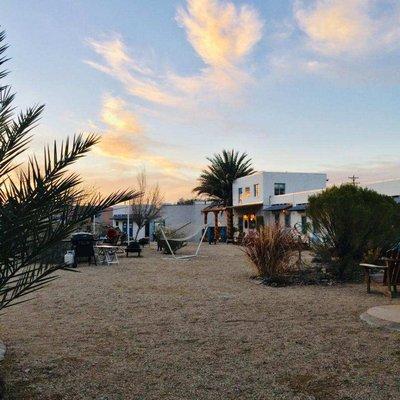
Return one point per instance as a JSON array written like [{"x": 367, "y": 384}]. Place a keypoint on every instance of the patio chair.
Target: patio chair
[
  {"x": 83, "y": 246},
  {"x": 133, "y": 247},
  {"x": 385, "y": 277}
]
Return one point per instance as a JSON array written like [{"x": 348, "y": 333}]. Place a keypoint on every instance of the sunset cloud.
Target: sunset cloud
[
  {"x": 124, "y": 140},
  {"x": 136, "y": 78},
  {"x": 352, "y": 27},
  {"x": 115, "y": 114},
  {"x": 221, "y": 33}
]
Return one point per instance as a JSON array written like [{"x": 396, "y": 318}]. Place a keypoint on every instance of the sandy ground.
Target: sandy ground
[{"x": 152, "y": 328}]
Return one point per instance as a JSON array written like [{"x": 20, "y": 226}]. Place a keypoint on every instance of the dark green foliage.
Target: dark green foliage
[
  {"x": 216, "y": 181},
  {"x": 41, "y": 203},
  {"x": 185, "y": 202},
  {"x": 351, "y": 222}
]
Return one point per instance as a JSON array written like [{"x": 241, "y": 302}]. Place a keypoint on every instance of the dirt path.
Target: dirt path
[{"x": 152, "y": 328}]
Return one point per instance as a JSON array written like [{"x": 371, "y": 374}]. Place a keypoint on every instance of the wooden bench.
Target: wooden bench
[
  {"x": 385, "y": 277},
  {"x": 133, "y": 247}
]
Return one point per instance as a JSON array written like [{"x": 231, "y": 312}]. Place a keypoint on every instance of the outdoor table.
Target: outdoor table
[{"x": 107, "y": 254}]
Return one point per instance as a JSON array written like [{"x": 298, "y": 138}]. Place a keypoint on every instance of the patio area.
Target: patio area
[{"x": 151, "y": 328}]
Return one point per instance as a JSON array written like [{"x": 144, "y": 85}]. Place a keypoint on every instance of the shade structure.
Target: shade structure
[
  {"x": 277, "y": 207},
  {"x": 298, "y": 207}
]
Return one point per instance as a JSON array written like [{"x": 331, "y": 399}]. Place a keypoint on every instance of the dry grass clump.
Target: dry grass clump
[{"x": 270, "y": 250}]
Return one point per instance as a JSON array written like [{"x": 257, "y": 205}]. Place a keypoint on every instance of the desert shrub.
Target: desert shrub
[
  {"x": 270, "y": 250},
  {"x": 352, "y": 223}
]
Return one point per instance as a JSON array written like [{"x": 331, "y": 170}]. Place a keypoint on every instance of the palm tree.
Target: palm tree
[
  {"x": 41, "y": 203},
  {"x": 216, "y": 180}
]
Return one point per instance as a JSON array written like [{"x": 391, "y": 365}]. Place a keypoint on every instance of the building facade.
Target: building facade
[
  {"x": 172, "y": 216},
  {"x": 257, "y": 201},
  {"x": 275, "y": 197}
]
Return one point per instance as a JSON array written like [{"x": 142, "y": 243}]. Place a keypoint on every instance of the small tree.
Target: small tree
[
  {"x": 146, "y": 207},
  {"x": 40, "y": 203},
  {"x": 352, "y": 221}
]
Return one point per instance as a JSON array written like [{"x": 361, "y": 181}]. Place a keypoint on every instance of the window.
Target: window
[
  {"x": 256, "y": 190},
  {"x": 240, "y": 191},
  {"x": 276, "y": 215},
  {"x": 279, "y": 188},
  {"x": 247, "y": 191},
  {"x": 287, "y": 220}
]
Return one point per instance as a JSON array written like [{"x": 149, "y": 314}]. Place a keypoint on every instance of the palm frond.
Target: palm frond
[{"x": 40, "y": 203}]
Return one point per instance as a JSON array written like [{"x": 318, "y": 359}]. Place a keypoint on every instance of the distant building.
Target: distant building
[
  {"x": 172, "y": 216},
  {"x": 276, "y": 197},
  {"x": 257, "y": 201}
]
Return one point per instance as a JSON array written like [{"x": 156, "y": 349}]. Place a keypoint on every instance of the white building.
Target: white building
[
  {"x": 120, "y": 221},
  {"x": 172, "y": 216},
  {"x": 268, "y": 197},
  {"x": 256, "y": 197}
]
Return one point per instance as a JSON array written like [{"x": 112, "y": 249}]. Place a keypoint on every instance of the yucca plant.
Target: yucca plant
[
  {"x": 41, "y": 203},
  {"x": 270, "y": 251}
]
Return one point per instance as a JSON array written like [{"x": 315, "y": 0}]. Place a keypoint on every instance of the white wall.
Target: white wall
[
  {"x": 248, "y": 181},
  {"x": 389, "y": 188},
  {"x": 294, "y": 182},
  {"x": 294, "y": 198},
  {"x": 122, "y": 210},
  {"x": 176, "y": 216}
]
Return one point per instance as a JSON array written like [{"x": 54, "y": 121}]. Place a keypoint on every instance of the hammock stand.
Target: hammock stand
[{"x": 189, "y": 256}]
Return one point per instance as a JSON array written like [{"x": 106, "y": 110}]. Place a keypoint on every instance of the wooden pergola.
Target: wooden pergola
[{"x": 216, "y": 209}]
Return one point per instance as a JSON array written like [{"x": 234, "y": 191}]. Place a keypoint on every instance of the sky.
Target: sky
[{"x": 310, "y": 86}]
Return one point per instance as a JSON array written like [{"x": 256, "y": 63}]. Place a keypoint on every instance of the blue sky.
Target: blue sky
[{"x": 299, "y": 85}]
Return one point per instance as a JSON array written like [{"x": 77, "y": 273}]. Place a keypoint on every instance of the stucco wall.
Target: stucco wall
[{"x": 294, "y": 182}]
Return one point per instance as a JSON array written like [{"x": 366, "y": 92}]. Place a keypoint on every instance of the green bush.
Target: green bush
[{"x": 352, "y": 223}]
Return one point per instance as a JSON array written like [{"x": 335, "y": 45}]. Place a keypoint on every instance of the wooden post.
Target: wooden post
[
  {"x": 229, "y": 225},
  {"x": 216, "y": 227}
]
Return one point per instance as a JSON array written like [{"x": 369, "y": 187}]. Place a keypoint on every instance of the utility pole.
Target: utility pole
[{"x": 353, "y": 179}]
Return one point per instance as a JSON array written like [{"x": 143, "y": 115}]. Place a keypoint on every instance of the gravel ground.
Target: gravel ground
[{"x": 153, "y": 328}]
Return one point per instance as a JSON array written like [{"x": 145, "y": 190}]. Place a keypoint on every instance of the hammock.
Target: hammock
[{"x": 168, "y": 241}]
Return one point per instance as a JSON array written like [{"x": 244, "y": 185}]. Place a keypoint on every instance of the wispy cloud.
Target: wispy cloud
[
  {"x": 137, "y": 79},
  {"x": 117, "y": 117},
  {"x": 342, "y": 39},
  {"x": 125, "y": 141},
  {"x": 222, "y": 35},
  {"x": 351, "y": 27}
]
